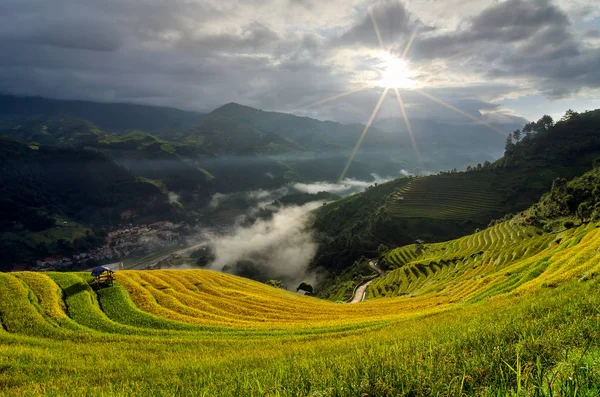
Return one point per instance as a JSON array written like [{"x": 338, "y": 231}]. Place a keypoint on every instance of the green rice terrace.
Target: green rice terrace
[
  {"x": 482, "y": 256},
  {"x": 443, "y": 197}
]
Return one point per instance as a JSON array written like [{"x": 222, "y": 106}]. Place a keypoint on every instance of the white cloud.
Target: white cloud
[
  {"x": 281, "y": 247},
  {"x": 344, "y": 188}
]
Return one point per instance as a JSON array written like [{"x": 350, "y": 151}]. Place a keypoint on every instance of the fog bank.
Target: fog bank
[
  {"x": 344, "y": 188},
  {"x": 277, "y": 248}
]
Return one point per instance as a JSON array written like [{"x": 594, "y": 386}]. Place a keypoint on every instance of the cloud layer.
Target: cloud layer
[{"x": 287, "y": 54}]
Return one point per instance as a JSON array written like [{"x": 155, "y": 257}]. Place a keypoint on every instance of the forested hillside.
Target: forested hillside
[
  {"x": 39, "y": 184},
  {"x": 559, "y": 220}
]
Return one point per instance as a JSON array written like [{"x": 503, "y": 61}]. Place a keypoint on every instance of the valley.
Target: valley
[{"x": 490, "y": 272}]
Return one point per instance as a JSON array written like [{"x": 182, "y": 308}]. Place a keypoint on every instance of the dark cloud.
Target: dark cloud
[
  {"x": 392, "y": 19},
  {"x": 90, "y": 35},
  {"x": 513, "y": 22},
  {"x": 592, "y": 33},
  {"x": 395, "y": 24},
  {"x": 520, "y": 39}
]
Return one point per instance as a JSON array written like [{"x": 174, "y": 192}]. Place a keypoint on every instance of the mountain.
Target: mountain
[
  {"x": 453, "y": 204},
  {"x": 114, "y": 117},
  {"x": 387, "y": 146},
  {"x": 310, "y": 149}
]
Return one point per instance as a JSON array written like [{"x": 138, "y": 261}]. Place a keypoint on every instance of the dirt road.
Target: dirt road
[{"x": 360, "y": 292}]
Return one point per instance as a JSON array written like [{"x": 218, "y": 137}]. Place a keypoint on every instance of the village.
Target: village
[{"x": 123, "y": 242}]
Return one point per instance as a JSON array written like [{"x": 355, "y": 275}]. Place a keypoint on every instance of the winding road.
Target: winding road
[{"x": 361, "y": 291}]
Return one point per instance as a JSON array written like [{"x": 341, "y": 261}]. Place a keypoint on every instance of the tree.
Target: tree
[
  {"x": 275, "y": 283},
  {"x": 528, "y": 129},
  {"x": 569, "y": 114},
  {"x": 545, "y": 122},
  {"x": 382, "y": 249},
  {"x": 517, "y": 135},
  {"x": 304, "y": 286},
  {"x": 509, "y": 144},
  {"x": 559, "y": 185},
  {"x": 584, "y": 211}
]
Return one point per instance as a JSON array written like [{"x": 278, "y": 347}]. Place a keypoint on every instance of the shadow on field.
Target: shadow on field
[{"x": 74, "y": 289}]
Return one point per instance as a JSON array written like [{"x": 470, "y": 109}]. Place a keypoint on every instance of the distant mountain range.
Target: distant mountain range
[{"x": 315, "y": 149}]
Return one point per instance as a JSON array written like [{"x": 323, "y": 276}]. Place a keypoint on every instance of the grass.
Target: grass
[
  {"x": 68, "y": 233},
  {"x": 507, "y": 311}
]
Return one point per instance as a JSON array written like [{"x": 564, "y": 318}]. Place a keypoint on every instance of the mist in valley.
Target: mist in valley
[{"x": 269, "y": 240}]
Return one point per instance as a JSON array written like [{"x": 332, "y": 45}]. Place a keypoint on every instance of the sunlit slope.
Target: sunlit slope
[
  {"x": 447, "y": 267},
  {"x": 497, "y": 260},
  {"x": 152, "y": 303}
]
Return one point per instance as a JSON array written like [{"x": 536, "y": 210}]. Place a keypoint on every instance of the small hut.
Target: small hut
[{"x": 103, "y": 275}]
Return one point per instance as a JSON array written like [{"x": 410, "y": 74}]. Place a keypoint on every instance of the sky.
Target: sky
[{"x": 495, "y": 60}]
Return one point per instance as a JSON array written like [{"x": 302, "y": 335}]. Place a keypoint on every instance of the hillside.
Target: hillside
[
  {"x": 40, "y": 185},
  {"x": 56, "y": 129},
  {"x": 461, "y": 303},
  {"x": 453, "y": 204}
]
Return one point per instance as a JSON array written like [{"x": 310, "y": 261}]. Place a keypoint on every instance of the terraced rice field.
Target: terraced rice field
[
  {"x": 489, "y": 256},
  {"x": 452, "y": 323},
  {"x": 449, "y": 196}
]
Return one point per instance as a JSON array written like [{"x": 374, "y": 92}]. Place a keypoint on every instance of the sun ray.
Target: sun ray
[
  {"x": 408, "y": 126},
  {"x": 334, "y": 97},
  {"x": 376, "y": 28},
  {"x": 457, "y": 110},
  {"x": 363, "y": 134},
  {"x": 409, "y": 44}
]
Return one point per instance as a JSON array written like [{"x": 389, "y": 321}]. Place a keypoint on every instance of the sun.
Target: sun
[{"x": 394, "y": 72}]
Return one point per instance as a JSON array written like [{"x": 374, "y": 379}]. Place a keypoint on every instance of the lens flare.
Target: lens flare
[
  {"x": 408, "y": 127},
  {"x": 364, "y": 132}
]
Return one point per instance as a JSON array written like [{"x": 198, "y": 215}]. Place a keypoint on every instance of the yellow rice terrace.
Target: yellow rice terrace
[{"x": 506, "y": 311}]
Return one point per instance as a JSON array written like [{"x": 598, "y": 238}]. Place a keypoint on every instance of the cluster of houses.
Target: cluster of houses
[
  {"x": 122, "y": 243},
  {"x": 54, "y": 261}
]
